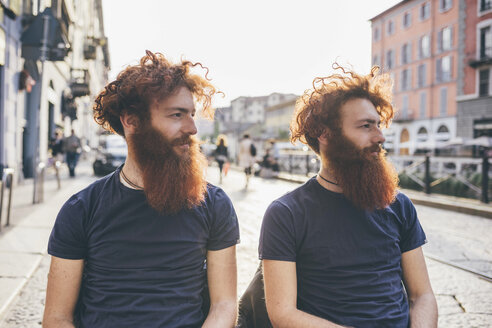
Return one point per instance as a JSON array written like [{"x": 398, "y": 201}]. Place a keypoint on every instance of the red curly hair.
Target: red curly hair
[
  {"x": 319, "y": 107},
  {"x": 137, "y": 87}
]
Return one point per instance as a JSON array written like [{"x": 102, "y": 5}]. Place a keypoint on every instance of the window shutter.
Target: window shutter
[
  {"x": 439, "y": 41},
  {"x": 438, "y": 69}
]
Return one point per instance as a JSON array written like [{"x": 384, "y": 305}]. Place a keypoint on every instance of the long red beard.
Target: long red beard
[
  {"x": 172, "y": 181},
  {"x": 369, "y": 182}
]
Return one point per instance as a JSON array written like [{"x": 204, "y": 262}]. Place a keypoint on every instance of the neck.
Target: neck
[
  {"x": 132, "y": 172},
  {"x": 325, "y": 172}
]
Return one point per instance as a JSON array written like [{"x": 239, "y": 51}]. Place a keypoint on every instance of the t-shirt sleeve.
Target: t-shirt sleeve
[
  {"x": 68, "y": 238},
  {"x": 413, "y": 235},
  {"x": 225, "y": 226},
  {"x": 277, "y": 235}
]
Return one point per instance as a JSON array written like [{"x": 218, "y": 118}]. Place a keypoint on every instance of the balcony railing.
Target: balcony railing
[
  {"x": 80, "y": 83},
  {"x": 485, "y": 58}
]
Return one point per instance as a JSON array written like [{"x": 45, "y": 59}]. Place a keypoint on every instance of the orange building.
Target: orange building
[{"x": 418, "y": 43}]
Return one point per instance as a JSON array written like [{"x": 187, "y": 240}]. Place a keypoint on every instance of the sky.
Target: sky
[{"x": 252, "y": 48}]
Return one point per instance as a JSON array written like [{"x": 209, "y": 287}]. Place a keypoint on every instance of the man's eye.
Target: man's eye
[
  {"x": 366, "y": 126},
  {"x": 176, "y": 115}
]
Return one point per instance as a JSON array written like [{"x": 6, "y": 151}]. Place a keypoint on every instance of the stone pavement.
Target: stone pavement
[
  {"x": 23, "y": 244},
  {"x": 463, "y": 298}
]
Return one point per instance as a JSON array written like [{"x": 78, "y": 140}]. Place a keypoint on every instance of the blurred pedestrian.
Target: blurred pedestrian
[
  {"x": 221, "y": 154},
  {"x": 345, "y": 248},
  {"x": 247, "y": 157},
  {"x": 151, "y": 244},
  {"x": 56, "y": 147},
  {"x": 73, "y": 148}
]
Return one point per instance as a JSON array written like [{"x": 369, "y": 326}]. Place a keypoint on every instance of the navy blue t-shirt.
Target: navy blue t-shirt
[
  {"x": 348, "y": 260},
  {"x": 142, "y": 269}
]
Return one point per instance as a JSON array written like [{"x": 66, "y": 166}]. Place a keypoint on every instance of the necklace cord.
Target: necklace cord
[
  {"x": 333, "y": 183},
  {"x": 129, "y": 181}
]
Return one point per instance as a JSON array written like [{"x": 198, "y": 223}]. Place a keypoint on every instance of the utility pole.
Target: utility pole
[{"x": 43, "y": 56}]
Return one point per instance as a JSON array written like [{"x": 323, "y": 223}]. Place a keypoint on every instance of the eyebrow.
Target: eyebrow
[
  {"x": 182, "y": 110},
  {"x": 368, "y": 120}
]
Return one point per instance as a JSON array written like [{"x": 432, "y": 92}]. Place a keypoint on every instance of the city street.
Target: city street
[{"x": 463, "y": 298}]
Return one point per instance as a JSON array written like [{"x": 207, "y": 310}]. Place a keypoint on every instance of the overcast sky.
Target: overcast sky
[{"x": 253, "y": 47}]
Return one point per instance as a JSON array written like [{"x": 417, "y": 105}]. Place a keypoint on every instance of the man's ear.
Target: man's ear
[
  {"x": 129, "y": 122},
  {"x": 324, "y": 137}
]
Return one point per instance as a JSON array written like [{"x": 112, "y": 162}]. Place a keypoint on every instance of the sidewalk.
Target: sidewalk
[
  {"x": 455, "y": 204},
  {"x": 24, "y": 243}
]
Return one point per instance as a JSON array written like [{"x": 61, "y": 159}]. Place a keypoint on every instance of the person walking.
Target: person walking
[
  {"x": 345, "y": 248},
  {"x": 221, "y": 155},
  {"x": 72, "y": 148},
  {"x": 247, "y": 154},
  {"x": 56, "y": 147},
  {"x": 151, "y": 244}
]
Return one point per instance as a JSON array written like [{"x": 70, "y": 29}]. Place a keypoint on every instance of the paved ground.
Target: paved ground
[{"x": 464, "y": 300}]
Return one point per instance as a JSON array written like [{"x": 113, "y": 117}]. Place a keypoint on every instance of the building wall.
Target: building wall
[
  {"x": 418, "y": 104},
  {"x": 277, "y": 118},
  {"x": 470, "y": 111},
  {"x": 473, "y": 108}
]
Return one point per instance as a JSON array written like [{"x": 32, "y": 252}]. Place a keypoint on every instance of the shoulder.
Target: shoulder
[
  {"x": 402, "y": 202},
  {"x": 90, "y": 194},
  {"x": 298, "y": 195}
]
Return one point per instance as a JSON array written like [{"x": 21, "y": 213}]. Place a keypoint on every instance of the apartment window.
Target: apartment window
[
  {"x": 485, "y": 5},
  {"x": 390, "y": 59},
  {"x": 404, "y": 107},
  {"x": 376, "y": 34},
  {"x": 444, "y": 39},
  {"x": 424, "y": 46},
  {"x": 445, "y": 5},
  {"x": 421, "y": 76},
  {"x": 423, "y": 104},
  {"x": 391, "y": 27},
  {"x": 485, "y": 43},
  {"x": 375, "y": 60},
  {"x": 407, "y": 20},
  {"x": 406, "y": 53},
  {"x": 425, "y": 10},
  {"x": 484, "y": 82},
  {"x": 443, "y": 69},
  {"x": 405, "y": 79},
  {"x": 443, "y": 109}
]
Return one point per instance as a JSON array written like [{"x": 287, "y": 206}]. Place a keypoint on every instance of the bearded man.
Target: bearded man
[
  {"x": 152, "y": 244},
  {"x": 344, "y": 249}
]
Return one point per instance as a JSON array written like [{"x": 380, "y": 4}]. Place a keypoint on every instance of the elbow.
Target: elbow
[{"x": 279, "y": 315}]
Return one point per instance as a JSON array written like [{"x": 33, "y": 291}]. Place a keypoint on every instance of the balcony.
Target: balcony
[
  {"x": 90, "y": 49},
  {"x": 80, "y": 83},
  {"x": 485, "y": 58}
]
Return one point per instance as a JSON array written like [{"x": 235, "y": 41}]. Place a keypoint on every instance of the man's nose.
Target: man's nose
[
  {"x": 379, "y": 137},
  {"x": 190, "y": 126}
]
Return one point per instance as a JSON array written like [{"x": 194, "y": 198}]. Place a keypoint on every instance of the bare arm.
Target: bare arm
[
  {"x": 64, "y": 281},
  {"x": 423, "y": 306},
  {"x": 281, "y": 297},
  {"x": 222, "y": 279}
]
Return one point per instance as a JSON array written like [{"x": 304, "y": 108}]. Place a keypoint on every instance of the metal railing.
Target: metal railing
[
  {"x": 427, "y": 172},
  {"x": 7, "y": 182},
  {"x": 298, "y": 162},
  {"x": 437, "y": 170}
]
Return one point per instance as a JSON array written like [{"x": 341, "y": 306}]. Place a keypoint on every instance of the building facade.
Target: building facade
[
  {"x": 53, "y": 76},
  {"x": 417, "y": 43},
  {"x": 475, "y": 88},
  {"x": 277, "y": 120}
]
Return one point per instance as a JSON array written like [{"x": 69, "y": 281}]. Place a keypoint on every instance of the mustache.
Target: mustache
[
  {"x": 184, "y": 140},
  {"x": 374, "y": 149}
]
